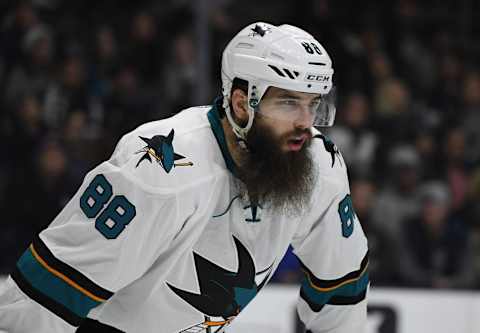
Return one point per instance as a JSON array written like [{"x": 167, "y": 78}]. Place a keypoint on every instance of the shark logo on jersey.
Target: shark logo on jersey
[
  {"x": 160, "y": 148},
  {"x": 330, "y": 147},
  {"x": 223, "y": 294}
]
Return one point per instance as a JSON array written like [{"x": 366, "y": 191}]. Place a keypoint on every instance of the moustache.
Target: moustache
[{"x": 298, "y": 133}]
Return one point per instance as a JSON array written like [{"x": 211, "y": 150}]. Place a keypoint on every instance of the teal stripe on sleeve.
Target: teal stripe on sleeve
[
  {"x": 54, "y": 287},
  {"x": 351, "y": 289}
]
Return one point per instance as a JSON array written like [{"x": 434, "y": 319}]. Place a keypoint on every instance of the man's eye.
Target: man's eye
[{"x": 289, "y": 102}]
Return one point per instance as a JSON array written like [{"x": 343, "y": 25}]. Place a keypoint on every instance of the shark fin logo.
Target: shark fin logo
[
  {"x": 159, "y": 148},
  {"x": 223, "y": 294},
  {"x": 330, "y": 147},
  {"x": 260, "y": 30}
]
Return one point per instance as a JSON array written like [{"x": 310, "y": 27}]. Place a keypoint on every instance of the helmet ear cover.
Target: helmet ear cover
[
  {"x": 239, "y": 84},
  {"x": 239, "y": 104},
  {"x": 236, "y": 84}
]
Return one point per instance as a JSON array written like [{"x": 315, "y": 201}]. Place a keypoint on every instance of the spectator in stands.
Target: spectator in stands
[
  {"x": 428, "y": 146},
  {"x": 436, "y": 248},
  {"x": 35, "y": 198},
  {"x": 180, "y": 73},
  {"x": 34, "y": 74},
  {"x": 470, "y": 116},
  {"x": 380, "y": 69},
  {"x": 471, "y": 215},
  {"x": 23, "y": 131},
  {"x": 354, "y": 136},
  {"x": 81, "y": 146},
  {"x": 397, "y": 201},
  {"x": 471, "y": 209},
  {"x": 395, "y": 119},
  {"x": 455, "y": 168},
  {"x": 16, "y": 24},
  {"x": 127, "y": 105},
  {"x": 145, "y": 49},
  {"x": 446, "y": 94},
  {"x": 106, "y": 59},
  {"x": 381, "y": 266},
  {"x": 70, "y": 93}
]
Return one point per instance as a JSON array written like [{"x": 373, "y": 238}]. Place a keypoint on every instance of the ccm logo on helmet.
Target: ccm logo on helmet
[{"x": 317, "y": 77}]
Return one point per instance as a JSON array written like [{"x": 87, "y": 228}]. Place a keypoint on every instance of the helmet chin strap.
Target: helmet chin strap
[{"x": 240, "y": 132}]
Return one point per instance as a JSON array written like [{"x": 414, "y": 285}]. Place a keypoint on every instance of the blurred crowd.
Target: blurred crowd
[{"x": 77, "y": 75}]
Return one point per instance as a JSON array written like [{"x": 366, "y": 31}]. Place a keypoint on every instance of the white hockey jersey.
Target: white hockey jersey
[{"x": 158, "y": 240}]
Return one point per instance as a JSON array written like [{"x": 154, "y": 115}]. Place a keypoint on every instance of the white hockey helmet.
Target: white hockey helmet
[{"x": 282, "y": 56}]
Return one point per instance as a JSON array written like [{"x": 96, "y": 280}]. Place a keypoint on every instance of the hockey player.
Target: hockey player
[{"x": 187, "y": 220}]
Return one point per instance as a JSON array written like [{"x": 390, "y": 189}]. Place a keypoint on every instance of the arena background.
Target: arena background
[{"x": 77, "y": 75}]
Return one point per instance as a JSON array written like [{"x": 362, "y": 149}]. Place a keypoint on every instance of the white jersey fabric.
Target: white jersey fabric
[{"x": 157, "y": 239}]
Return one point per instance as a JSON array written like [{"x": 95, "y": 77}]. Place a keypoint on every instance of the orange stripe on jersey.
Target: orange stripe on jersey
[
  {"x": 216, "y": 323},
  {"x": 336, "y": 286},
  {"x": 64, "y": 278}
]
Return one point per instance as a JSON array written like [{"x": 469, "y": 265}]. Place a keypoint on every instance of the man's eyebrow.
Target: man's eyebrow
[{"x": 288, "y": 95}]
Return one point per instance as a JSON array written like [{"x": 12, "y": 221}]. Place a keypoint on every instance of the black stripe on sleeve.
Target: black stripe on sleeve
[
  {"x": 332, "y": 283},
  {"x": 313, "y": 306},
  {"x": 334, "y": 300},
  {"x": 344, "y": 300},
  {"x": 90, "y": 325},
  {"x": 69, "y": 271},
  {"x": 57, "y": 308}
]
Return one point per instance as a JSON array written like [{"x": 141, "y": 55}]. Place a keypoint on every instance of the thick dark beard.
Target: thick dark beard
[{"x": 273, "y": 178}]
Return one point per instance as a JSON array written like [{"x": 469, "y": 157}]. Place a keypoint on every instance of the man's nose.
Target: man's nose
[{"x": 304, "y": 118}]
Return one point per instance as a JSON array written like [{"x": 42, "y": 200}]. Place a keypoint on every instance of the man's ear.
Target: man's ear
[{"x": 239, "y": 106}]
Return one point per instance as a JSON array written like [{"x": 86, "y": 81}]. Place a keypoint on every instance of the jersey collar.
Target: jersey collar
[{"x": 216, "y": 125}]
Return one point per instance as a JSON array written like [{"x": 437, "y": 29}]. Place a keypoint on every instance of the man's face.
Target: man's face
[
  {"x": 278, "y": 171},
  {"x": 289, "y": 115}
]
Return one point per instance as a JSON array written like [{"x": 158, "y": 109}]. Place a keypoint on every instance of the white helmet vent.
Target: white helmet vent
[
  {"x": 245, "y": 46},
  {"x": 277, "y": 56}
]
